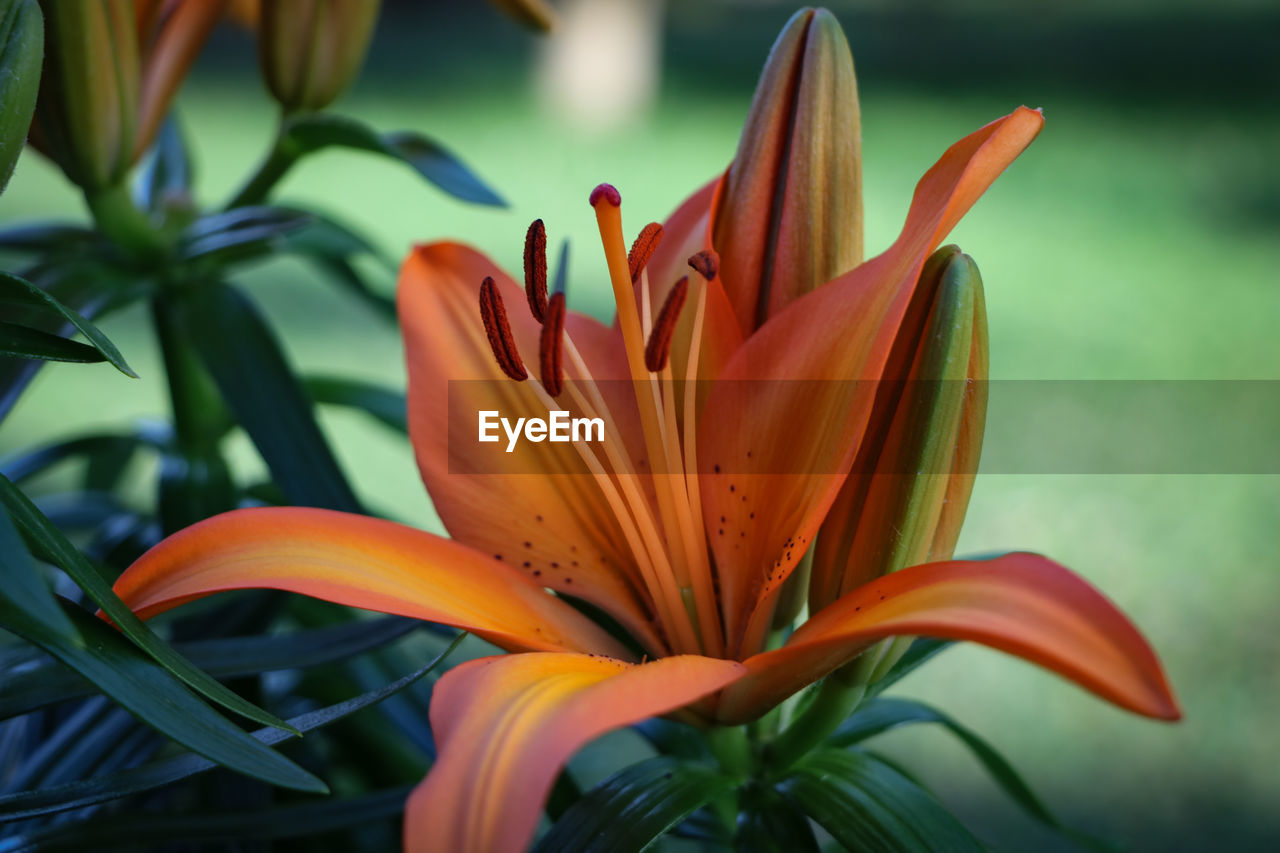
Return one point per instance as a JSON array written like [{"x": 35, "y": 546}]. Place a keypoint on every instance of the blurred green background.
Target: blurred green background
[{"x": 1136, "y": 239}]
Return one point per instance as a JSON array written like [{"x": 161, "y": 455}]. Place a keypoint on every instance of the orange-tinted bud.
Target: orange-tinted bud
[
  {"x": 311, "y": 50},
  {"x": 790, "y": 217}
]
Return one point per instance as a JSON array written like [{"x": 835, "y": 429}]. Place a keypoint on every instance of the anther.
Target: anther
[
  {"x": 535, "y": 269},
  {"x": 642, "y": 249},
  {"x": 608, "y": 192},
  {"x": 550, "y": 351},
  {"x": 706, "y": 263},
  {"x": 494, "y": 315},
  {"x": 664, "y": 327}
]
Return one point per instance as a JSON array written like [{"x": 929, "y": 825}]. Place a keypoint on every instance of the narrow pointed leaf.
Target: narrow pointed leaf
[
  {"x": 16, "y": 291},
  {"x": 630, "y": 809},
  {"x": 382, "y": 404},
  {"x": 102, "y": 789},
  {"x": 22, "y": 588},
  {"x": 54, "y": 547}
]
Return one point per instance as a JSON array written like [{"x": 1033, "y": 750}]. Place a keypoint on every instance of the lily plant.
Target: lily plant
[{"x": 791, "y": 436}]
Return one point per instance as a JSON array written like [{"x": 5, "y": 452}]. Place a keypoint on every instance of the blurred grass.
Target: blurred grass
[{"x": 1131, "y": 241}]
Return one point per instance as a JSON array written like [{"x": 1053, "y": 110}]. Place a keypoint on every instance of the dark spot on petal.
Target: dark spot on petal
[
  {"x": 527, "y": 564},
  {"x": 555, "y": 565}
]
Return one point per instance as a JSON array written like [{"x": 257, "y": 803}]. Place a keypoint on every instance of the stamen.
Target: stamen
[
  {"x": 642, "y": 249},
  {"x": 706, "y": 263},
  {"x": 535, "y": 269},
  {"x": 608, "y": 192},
  {"x": 658, "y": 349},
  {"x": 501, "y": 341},
  {"x": 552, "y": 335}
]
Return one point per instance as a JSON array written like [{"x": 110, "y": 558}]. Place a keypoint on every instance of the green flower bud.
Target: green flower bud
[
  {"x": 790, "y": 216},
  {"x": 21, "y": 49},
  {"x": 88, "y": 107},
  {"x": 311, "y": 50},
  {"x": 906, "y": 497}
]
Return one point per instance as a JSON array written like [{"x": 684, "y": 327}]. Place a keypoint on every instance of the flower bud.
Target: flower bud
[
  {"x": 311, "y": 50},
  {"x": 21, "y": 47},
  {"x": 790, "y": 214},
  {"x": 88, "y": 106},
  {"x": 906, "y": 497}
]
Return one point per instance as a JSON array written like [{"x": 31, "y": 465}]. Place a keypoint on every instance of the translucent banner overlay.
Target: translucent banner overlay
[{"x": 1032, "y": 426}]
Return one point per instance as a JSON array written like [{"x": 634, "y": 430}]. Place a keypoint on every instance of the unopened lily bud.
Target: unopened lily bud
[
  {"x": 790, "y": 217},
  {"x": 905, "y": 500},
  {"x": 311, "y": 50},
  {"x": 89, "y": 93},
  {"x": 21, "y": 49},
  {"x": 534, "y": 14}
]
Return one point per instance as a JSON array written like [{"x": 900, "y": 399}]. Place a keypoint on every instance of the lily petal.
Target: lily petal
[
  {"x": 361, "y": 562},
  {"x": 785, "y": 420},
  {"x": 1023, "y": 604},
  {"x": 546, "y": 517},
  {"x": 506, "y": 725}
]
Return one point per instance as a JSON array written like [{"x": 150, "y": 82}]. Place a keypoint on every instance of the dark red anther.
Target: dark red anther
[
  {"x": 658, "y": 350},
  {"x": 706, "y": 263},
  {"x": 552, "y": 346},
  {"x": 501, "y": 341},
  {"x": 643, "y": 248},
  {"x": 535, "y": 269},
  {"x": 608, "y": 192}
]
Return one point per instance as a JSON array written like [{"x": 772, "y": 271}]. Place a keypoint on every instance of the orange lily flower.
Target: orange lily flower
[{"x": 683, "y": 526}]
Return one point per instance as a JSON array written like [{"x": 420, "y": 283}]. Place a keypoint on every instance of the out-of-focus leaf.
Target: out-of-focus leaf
[
  {"x": 245, "y": 360},
  {"x": 241, "y": 233},
  {"x": 22, "y": 588},
  {"x": 867, "y": 805},
  {"x": 46, "y": 237},
  {"x": 627, "y": 811},
  {"x": 19, "y": 466},
  {"x": 920, "y": 651},
  {"x": 881, "y": 715},
  {"x": 88, "y": 792},
  {"x": 382, "y": 404},
  {"x": 675, "y": 739},
  {"x": 16, "y": 291},
  {"x": 55, "y": 548},
  {"x": 314, "y": 131},
  {"x": 24, "y": 342},
  {"x": 768, "y": 823},
  {"x": 166, "y": 174},
  {"x": 290, "y": 821},
  {"x": 561, "y": 283},
  {"x": 47, "y": 683},
  {"x": 21, "y": 51},
  {"x": 119, "y": 670},
  {"x": 332, "y": 246}
]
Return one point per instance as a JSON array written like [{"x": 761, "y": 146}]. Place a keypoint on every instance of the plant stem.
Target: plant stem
[
  {"x": 837, "y": 697},
  {"x": 732, "y": 748},
  {"x": 120, "y": 220},
  {"x": 196, "y": 401},
  {"x": 278, "y": 162}
]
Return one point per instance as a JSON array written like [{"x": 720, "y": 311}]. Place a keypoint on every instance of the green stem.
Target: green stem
[
  {"x": 837, "y": 697},
  {"x": 732, "y": 748},
  {"x": 278, "y": 162},
  {"x": 120, "y": 220},
  {"x": 197, "y": 405}
]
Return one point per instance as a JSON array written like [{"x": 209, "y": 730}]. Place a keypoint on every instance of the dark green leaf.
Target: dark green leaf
[
  {"x": 881, "y": 715},
  {"x": 920, "y": 651},
  {"x": 21, "y": 586},
  {"x": 47, "y": 683},
  {"x": 88, "y": 792},
  {"x": 166, "y": 174},
  {"x": 245, "y": 360},
  {"x": 561, "y": 284},
  {"x": 383, "y": 404},
  {"x": 428, "y": 158},
  {"x": 24, "y": 342},
  {"x": 56, "y": 549},
  {"x": 290, "y": 821},
  {"x": 19, "y": 291},
  {"x": 20, "y": 466},
  {"x": 21, "y": 52},
  {"x": 119, "y": 670},
  {"x": 44, "y": 237},
  {"x": 867, "y": 805},
  {"x": 241, "y": 233},
  {"x": 672, "y": 738},
  {"x": 630, "y": 809},
  {"x": 770, "y": 824}
]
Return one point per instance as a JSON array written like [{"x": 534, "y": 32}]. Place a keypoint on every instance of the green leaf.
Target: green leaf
[
  {"x": 881, "y": 715},
  {"x": 920, "y": 651},
  {"x": 157, "y": 698},
  {"x": 47, "y": 237},
  {"x": 240, "y": 234},
  {"x": 245, "y": 360},
  {"x": 867, "y": 805},
  {"x": 20, "y": 292},
  {"x": 166, "y": 174},
  {"x": 89, "y": 792},
  {"x": 627, "y": 811},
  {"x": 383, "y": 404},
  {"x": 29, "y": 463},
  {"x": 46, "y": 683},
  {"x": 768, "y": 823},
  {"x": 57, "y": 550},
  {"x": 309, "y": 133},
  {"x": 24, "y": 342},
  {"x": 128, "y": 831},
  {"x": 21, "y": 52},
  {"x": 22, "y": 588}
]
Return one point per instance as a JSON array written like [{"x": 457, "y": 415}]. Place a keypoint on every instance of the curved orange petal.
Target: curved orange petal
[
  {"x": 783, "y": 424},
  {"x": 1023, "y": 604},
  {"x": 538, "y": 507},
  {"x": 361, "y": 562},
  {"x": 506, "y": 725},
  {"x": 182, "y": 35}
]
